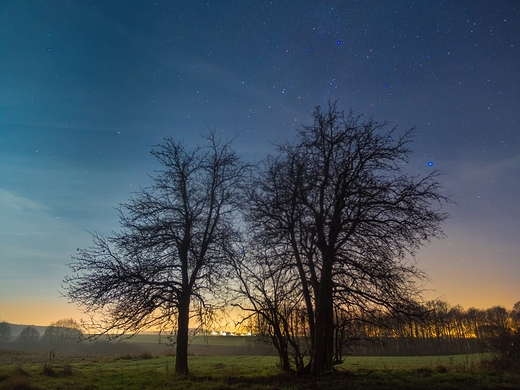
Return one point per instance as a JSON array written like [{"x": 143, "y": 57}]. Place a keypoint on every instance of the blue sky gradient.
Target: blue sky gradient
[{"x": 87, "y": 88}]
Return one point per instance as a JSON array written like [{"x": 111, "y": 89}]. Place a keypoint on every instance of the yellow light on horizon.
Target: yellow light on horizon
[{"x": 37, "y": 312}]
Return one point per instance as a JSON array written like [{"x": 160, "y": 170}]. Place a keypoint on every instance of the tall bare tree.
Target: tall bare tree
[
  {"x": 339, "y": 199},
  {"x": 159, "y": 270}
]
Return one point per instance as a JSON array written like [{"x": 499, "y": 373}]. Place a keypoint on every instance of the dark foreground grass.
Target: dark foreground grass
[{"x": 253, "y": 372}]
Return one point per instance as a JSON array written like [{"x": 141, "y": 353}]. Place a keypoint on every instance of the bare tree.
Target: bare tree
[
  {"x": 339, "y": 199},
  {"x": 269, "y": 295},
  {"x": 62, "y": 334},
  {"x": 500, "y": 336},
  {"x": 515, "y": 316},
  {"x": 28, "y": 339},
  {"x": 159, "y": 271},
  {"x": 5, "y": 333}
]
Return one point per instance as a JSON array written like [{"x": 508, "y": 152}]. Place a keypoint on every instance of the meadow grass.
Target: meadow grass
[
  {"x": 459, "y": 362},
  {"x": 256, "y": 372}
]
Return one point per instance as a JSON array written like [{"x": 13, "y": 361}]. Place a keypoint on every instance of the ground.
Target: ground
[{"x": 34, "y": 370}]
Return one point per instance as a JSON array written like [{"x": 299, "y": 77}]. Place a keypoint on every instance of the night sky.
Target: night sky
[{"x": 88, "y": 87}]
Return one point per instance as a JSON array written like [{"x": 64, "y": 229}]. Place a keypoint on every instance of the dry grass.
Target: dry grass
[
  {"x": 11, "y": 357},
  {"x": 140, "y": 356}
]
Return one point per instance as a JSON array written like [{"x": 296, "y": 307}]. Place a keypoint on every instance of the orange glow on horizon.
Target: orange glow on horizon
[
  {"x": 42, "y": 312},
  {"x": 37, "y": 312},
  {"x": 45, "y": 311}
]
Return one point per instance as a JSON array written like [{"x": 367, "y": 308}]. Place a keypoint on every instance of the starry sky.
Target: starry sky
[{"x": 88, "y": 87}]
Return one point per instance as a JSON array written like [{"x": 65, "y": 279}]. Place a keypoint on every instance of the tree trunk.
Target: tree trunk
[
  {"x": 181, "y": 360},
  {"x": 324, "y": 331}
]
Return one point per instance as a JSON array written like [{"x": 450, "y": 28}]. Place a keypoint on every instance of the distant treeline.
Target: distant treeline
[
  {"x": 61, "y": 336},
  {"x": 435, "y": 328},
  {"x": 442, "y": 329}
]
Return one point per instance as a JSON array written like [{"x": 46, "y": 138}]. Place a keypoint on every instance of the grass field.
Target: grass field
[{"x": 22, "y": 370}]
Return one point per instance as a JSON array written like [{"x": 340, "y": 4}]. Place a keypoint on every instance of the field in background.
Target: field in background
[{"x": 209, "y": 346}]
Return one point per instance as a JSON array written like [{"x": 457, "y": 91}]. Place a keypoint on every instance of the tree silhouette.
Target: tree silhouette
[
  {"x": 5, "y": 333},
  {"x": 344, "y": 217},
  {"x": 270, "y": 298},
  {"x": 500, "y": 334},
  {"x": 62, "y": 334},
  {"x": 515, "y": 316},
  {"x": 158, "y": 271},
  {"x": 29, "y": 338}
]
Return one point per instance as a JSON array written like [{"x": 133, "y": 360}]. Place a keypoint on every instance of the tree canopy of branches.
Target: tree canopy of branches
[
  {"x": 501, "y": 333},
  {"x": 62, "y": 334},
  {"x": 167, "y": 259},
  {"x": 336, "y": 211},
  {"x": 29, "y": 338}
]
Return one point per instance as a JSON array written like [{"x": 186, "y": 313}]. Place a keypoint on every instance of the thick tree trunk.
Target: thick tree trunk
[
  {"x": 181, "y": 360},
  {"x": 322, "y": 355}
]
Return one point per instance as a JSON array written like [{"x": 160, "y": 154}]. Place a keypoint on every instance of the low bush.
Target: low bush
[
  {"x": 48, "y": 370},
  {"x": 17, "y": 379}
]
